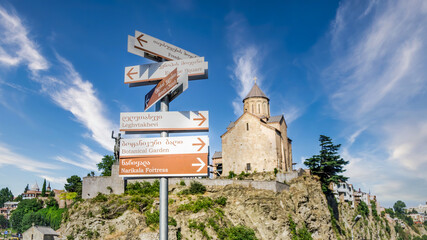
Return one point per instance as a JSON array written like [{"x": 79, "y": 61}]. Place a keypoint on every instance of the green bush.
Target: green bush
[
  {"x": 172, "y": 221},
  {"x": 143, "y": 188},
  {"x": 195, "y": 206},
  {"x": 237, "y": 233},
  {"x": 363, "y": 209},
  {"x": 182, "y": 183},
  {"x": 152, "y": 218},
  {"x": 242, "y": 175},
  {"x": 231, "y": 174},
  {"x": 193, "y": 224},
  {"x": 221, "y": 201},
  {"x": 300, "y": 234},
  {"x": 197, "y": 188},
  {"x": 100, "y": 198},
  {"x": 275, "y": 171}
]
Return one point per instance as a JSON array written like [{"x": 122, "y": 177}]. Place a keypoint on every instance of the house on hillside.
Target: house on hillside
[
  {"x": 39, "y": 233},
  {"x": 343, "y": 192}
]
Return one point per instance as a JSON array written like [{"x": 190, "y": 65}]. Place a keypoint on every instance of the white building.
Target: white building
[{"x": 343, "y": 192}]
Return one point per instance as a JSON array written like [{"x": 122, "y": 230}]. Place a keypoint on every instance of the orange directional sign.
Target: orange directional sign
[
  {"x": 161, "y": 89},
  {"x": 152, "y": 122},
  {"x": 171, "y": 85},
  {"x": 180, "y": 165}
]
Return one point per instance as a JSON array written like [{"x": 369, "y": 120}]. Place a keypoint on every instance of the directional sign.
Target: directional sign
[
  {"x": 169, "y": 85},
  {"x": 145, "y": 147},
  {"x": 147, "y": 46},
  {"x": 147, "y": 74},
  {"x": 184, "y": 165},
  {"x": 149, "y": 122}
]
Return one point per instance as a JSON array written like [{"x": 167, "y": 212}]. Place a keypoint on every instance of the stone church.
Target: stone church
[{"x": 256, "y": 141}]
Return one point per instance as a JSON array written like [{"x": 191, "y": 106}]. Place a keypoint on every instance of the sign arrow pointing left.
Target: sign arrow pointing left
[{"x": 130, "y": 73}]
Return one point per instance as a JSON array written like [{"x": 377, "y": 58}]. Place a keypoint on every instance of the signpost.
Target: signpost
[
  {"x": 153, "y": 73},
  {"x": 150, "y": 47},
  {"x": 166, "y": 156},
  {"x": 150, "y": 122}
]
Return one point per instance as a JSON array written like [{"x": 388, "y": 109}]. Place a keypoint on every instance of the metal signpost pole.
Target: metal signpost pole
[{"x": 164, "y": 107}]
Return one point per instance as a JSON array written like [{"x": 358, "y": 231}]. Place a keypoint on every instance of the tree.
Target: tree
[
  {"x": 4, "y": 223},
  {"x": 26, "y": 188},
  {"x": 399, "y": 207},
  {"x": 24, "y": 207},
  {"x": 105, "y": 165},
  {"x": 328, "y": 164},
  {"x": 44, "y": 188},
  {"x": 5, "y": 195},
  {"x": 74, "y": 184}
]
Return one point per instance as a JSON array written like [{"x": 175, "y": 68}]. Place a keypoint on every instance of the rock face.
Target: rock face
[{"x": 271, "y": 216}]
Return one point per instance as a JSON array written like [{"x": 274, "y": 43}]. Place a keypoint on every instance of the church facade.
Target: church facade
[{"x": 256, "y": 141}]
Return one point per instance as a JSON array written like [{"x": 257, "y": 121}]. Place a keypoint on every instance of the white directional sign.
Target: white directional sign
[
  {"x": 146, "y": 74},
  {"x": 144, "y": 147},
  {"x": 143, "y": 122},
  {"x": 150, "y": 47}
]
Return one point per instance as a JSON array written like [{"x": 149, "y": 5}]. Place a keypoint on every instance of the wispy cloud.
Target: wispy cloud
[
  {"x": 74, "y": 94},
  {"x": 87, "y": 159},
  {"x": 68, "y": 90},
  {"x": 57, "y": 180},
  {"x": 15, "y": 46},
  {"x": 9, "y": 157},
  {"x": 247, "y": 59},
  {"x": 377, "y": 83}
]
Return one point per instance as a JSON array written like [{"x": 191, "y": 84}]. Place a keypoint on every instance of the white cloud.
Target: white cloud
[
  {"x": 68, "y": 91},
  {"x": 74, "y": 94},
  {"x": 9, "y": 157},
  {"x": 15, "y": 46},
  {"x": 87, "y": 159},
  {"x": 377, "y": 84},
  {"x": 57, "y": 180},
  {"x": 246, "y": 57}
]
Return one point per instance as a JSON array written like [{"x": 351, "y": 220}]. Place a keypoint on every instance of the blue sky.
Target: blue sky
[{"x": 351, "y": 70}]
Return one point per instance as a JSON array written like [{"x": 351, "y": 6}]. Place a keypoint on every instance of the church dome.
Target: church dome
[
  {"x": 255, "y": 92},
  {"x": 257, "y": 103},
  {"x": 35, "y": 187}
]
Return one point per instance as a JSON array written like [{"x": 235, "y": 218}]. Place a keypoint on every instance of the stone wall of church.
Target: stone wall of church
[{"x": 249, "y": 142}]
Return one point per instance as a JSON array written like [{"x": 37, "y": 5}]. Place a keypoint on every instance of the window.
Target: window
[
  {"x": 259, "y": 108},
  {"x": 247, "y": 126},
  {"x": 248, "y": 166}
]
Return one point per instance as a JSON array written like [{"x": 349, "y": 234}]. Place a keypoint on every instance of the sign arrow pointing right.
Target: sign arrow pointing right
[
  {"x": 202, "y": 119},
  {"x": 201, "y": 164},
  {"x": 201, "y": 144}
]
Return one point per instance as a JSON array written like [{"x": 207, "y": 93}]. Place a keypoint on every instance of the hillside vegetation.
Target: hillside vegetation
[{"x": 230, "y": 212}]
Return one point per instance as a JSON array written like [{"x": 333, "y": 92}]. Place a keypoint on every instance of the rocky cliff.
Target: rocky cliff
[{"x": 223, "y": 212}]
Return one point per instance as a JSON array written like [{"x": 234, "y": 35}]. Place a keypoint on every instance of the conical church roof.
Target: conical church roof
[{"x": 255, "y": 92}]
